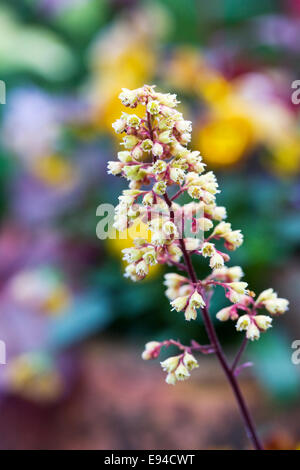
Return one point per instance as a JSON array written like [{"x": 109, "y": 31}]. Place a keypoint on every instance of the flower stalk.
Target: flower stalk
[{"x": 156, "y": 159}]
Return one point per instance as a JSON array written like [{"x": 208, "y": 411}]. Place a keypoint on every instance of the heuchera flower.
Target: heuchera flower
[
  {"x": 179, "y": 367},
  {"x": 156, "y": 161}
]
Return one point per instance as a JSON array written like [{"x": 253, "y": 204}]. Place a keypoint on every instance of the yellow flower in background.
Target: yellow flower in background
[
  {"x": 135, "y": 71},
  {"x": 58, "y": 301},
  {"x": 109, "y": 110},
  {"x": 224, "y": 140},
  {"x": 286, "y": 157},
  {"x": 125, "y": 239},
  {"x": 235, "y": 123},
  {"x": 182, "y": 68},
  {"x": 54, "y": 170},
  {"x": 33, "y": 376},
  {"x": 188, "y": 70},
  {"x": 255, "y": 95},
  {"x": 239, "y": 113},
  {"x": 106, "y": 86},
  {"x": 213, "y": 87},
  {"x": 124, "y": 56},
  {"x": 227, "y": 134}
]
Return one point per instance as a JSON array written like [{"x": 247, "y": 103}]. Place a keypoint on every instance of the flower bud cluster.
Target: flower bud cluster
[
  {"x": 271, "y": 302},
  {"x": 252, "y": 322},
  {"x": 178, "y": 367}
]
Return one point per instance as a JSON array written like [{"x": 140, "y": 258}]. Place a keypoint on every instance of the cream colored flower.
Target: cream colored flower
[
  {"x": 160, "y": 188},
  {"x": 159, "y": 167},
  {"x": 148, "y": 199},
  {"x": 208, "y": 249},
  {"x": 219, "y": 213},
  {"x": 263, "y": 321},
  {"x": 253, "y": 325},
  {"x": 243, "y": 323},
  {"x": 150, "y": 257},
  {"x": 184, "y": 126},
  {"x": 167, "y": 99},
  {"x": 165, "y": 137},
  {"x": 153, "y": 107},
  {"x": 267, "y": 294},
  {"x": 252, "y": 332},
  {"x": 216, "y": 261},
  {"x": 177, "y": 175},
  {"x": 129, "y": 141},
  {"x": 128, "y": 97},
  {"x": 157, "y": 149},
  {"x": 195, "y": 192},
  {"x": 196, "y": 300},
  {"x": 131, "y": 254},
  {"x": 174, "y": 280},
  {"x": 119, "y": 126},
  {"x": 235, "y": 297},
  {"x": 130, "y": 272},
  {"x": 142, "y": 268},
  {"x": 147, "y": 145},
  {"x": 133, "y": 121},
  {"x": 124, "y": 156},
  {"x": 234, "y": 273},
  {"x": 180, "y": 303},
  {"x": 182, "y": 372},
  {"x": 190, "y": 312},
  {"x": 222, "y": 229},
  {"x": 234, "y": 238},
  {"x": 169, "y": 228},
  {"x": 170, "y": 364},
  {"x": 171, "y": 378},
  {"x": 276, "y": 306},
  {"x": 114, "y": 168},
  {"x": 224, "y": 313},
  {"x": 239, "y": 287},
  {"x": 205, "y": 224},
  {"x": 137, "y": 152},
  {"x": 192, "y": 244},
  {"x": 189, "y": 361}
]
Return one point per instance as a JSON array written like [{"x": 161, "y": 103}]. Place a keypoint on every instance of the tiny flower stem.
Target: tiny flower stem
[
  {"x": 239, "y": 369},
  {"x": 150, "y": 131},
  {"x": 239, "y": 354},
  {"x": 168, "y": 200},
  {"x": 188, "y": 262},
  {"x": 170, "y": 342},
  {"x": 180, "y": 266},
  {"x": 206, "y": 349}
]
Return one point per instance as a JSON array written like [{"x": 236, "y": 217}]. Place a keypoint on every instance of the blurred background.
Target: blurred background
[{"x": 74, "y": 327}]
